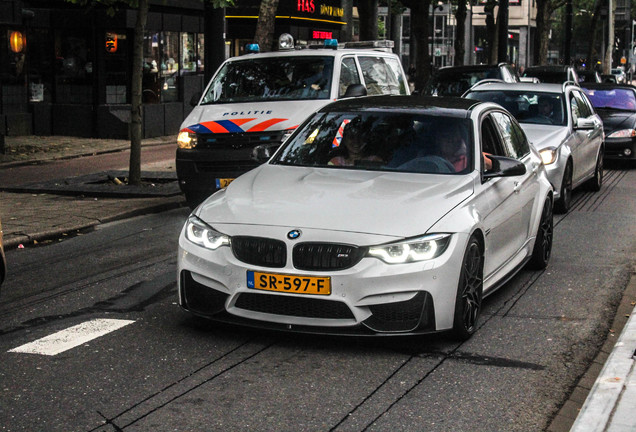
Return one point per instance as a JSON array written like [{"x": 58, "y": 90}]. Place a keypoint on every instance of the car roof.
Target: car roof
[
  {"x": 321, "y": 52},
  {"x": 446, "y": 106},
  {"x": 471, "y": 67},
  {"x": 522, "y": 86}
]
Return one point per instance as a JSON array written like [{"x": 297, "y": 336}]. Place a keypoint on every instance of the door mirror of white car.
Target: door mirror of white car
[
  {"x": 504, "y": 167},
  {"x": 355, "y": 90},
  {"x": 262, "y": 153},
  {"x": 585, "y": 123}
]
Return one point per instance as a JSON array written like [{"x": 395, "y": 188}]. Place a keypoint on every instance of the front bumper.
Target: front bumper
[
  {"x": 620, "y": 148},
  {"x": 369, "y": 298}
]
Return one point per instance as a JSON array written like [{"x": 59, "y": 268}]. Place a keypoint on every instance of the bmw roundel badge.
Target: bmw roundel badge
[{"x": 293, "y": 234}]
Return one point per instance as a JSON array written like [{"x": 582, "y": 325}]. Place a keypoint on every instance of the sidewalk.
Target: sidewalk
[
  {"x": 54, "y": 210},
  {"x": 603, "y": 400}
]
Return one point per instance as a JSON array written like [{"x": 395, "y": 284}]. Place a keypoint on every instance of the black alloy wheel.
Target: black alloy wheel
[
  {"x": 543, "y": 243},
  {"x": 594, "y": 184},
  {"x": 469, "y": 291},
  {"x": 565, "y": 200}
]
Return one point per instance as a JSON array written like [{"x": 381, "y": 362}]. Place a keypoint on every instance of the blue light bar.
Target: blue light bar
[
  {"x": 252, "y": 48},
  {"x": 331, "y": 43}
]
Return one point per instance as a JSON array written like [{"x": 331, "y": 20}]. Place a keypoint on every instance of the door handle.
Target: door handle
[{"x": 516, "y": 188}]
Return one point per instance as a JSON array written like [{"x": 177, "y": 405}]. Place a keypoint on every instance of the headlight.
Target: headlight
[
  {"x": 198, "y": 232},
  {"x": 187, "y": 140},
  {"x": 548, "y": 156},
  {"x": 412, "y": 250},
  {"x": 623, "y": 133}
]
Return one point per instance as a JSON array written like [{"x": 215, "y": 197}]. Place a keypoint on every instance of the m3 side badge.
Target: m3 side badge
[{"x": 293, "y": 234}]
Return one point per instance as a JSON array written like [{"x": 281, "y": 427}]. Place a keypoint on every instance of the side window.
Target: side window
[
  {"x": 490, "y": 142},
  {"x": 515, "y": 144},
  {"x": 576, "y": 111},
  {"x": 378, "y": 76},
  {"x": 348, "y": 75},
  {"x": 584, "y": 106},
  {"x": 396, "y": 68}
]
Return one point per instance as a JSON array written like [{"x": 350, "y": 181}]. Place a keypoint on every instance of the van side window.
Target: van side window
[
  {"x": 348, "y": 75},
  {"x": 378, "y": 76}
]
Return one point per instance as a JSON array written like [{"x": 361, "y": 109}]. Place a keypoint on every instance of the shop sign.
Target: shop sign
[
  {"x": 317, "y": 34},
  {"x": 306, "y": 6},
  {"x": 111, "y": 42}
]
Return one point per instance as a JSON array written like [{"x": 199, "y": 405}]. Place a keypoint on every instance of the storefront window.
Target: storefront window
[
  {"x": 170, "y": 65},
  {"x": 115, "y": 45},
  {"x": 150, "y": 82},
  {"x": 73, "y": 67},
  {"x": 200, "y": 52},
  {"x": 189, "y": 58}
]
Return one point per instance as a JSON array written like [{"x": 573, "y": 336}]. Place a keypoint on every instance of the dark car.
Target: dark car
[
  {"x": 588, "y": 76},
  {"x": 616, "y": 105},
  {"x": 455, "y": 80},
  {"x": 552, "y": 74}
]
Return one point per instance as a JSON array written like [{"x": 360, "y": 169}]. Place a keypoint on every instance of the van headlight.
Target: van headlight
[
  {"x": 187, "y": 140},
  {"x": 411, "y": 250},
  {"x": 200, "y": 233}
]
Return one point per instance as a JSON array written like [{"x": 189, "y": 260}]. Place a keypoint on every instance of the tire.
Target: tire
[
  {"x": 594, "y": 184},
  {"x": 469, "y": 292},
  {"x": 543, "y": 244},
  {"x": 562, "y": 205}
]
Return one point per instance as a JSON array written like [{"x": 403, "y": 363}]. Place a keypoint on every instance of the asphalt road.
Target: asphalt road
[{"x": 163, "y": 370}]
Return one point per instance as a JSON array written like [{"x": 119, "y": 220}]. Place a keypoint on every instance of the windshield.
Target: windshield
[
  {"x": 527, "y": 106},
  {"x": 616, "y": 98},
  {"x": 455, "y": 83},
  {"x": 384, "y": 141},
  {"x": 271, "y": 79}
]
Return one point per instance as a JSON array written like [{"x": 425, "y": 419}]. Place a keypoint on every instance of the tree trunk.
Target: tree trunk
[
  {"x": 264, "y": 35},
  {"x": 460, "y": 33},
  {"x": 420, "y": 33},
  {"x": 491, "y": 31},
  {"x": 136, "y": 117},
  {"x": 502, "y": 31},
  {"x": 543, "y": 32},
  {"x": 592, "y": 41},
  {"x": 368, "y": 11}
]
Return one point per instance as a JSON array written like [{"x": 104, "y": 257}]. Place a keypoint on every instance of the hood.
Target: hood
[
  {"x": 542, "y": 136},
  {"x": 250, "y": 117},
  {"x": 394, "y": 204},
  {"x": 614, "y": 120}
]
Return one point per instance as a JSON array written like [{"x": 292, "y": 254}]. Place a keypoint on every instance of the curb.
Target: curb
[{"x": 169, "y": 203}]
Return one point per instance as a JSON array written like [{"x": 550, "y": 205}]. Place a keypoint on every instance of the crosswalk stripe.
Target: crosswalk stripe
[{"x": 71, "y": 337}]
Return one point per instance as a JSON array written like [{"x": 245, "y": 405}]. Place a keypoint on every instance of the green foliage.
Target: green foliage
[{"x": 112, "y": 6}]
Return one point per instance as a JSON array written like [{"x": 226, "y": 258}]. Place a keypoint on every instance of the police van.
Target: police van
[{"x": 255, "y": 101}]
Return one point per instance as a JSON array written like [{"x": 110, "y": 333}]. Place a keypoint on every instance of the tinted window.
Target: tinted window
[
  {"x": 612, "y": 98},
  {"x": 385, "y": 141},
  {"x": 514, "y": 140},
  {"x": 527, "y": 106},
  {"x": 348, "y": 75},
  {"x": 271, "y": 79}
]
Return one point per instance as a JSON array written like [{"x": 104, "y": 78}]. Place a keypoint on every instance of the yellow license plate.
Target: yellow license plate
[
  {"x": 223, "y": 182},
  {"x": 289, "y": 283}
]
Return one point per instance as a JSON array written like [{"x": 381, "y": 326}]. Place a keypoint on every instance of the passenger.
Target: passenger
[{"x": 353, "y": 143}]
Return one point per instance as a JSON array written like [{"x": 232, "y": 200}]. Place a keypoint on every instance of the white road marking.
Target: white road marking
[{"x": 71, "y": 337}]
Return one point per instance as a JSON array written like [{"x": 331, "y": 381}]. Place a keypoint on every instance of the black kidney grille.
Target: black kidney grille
[
  {"x": 294, "y": 306},
  {"x": 326, "y": 256},
  {"x": 259, "y": 251}
]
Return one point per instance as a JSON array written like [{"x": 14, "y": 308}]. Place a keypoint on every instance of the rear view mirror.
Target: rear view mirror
[
  {"x": 584, "y": 123},
  {"x": 504, "y": 167},
  {"x": 355, "y": 90}
]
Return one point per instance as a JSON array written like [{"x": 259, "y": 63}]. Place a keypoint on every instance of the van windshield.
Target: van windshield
[{"x": 271, "y": 79}]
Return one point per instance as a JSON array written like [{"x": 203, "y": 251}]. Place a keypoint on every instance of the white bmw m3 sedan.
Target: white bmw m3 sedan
[{"x": 379, "y": 215}]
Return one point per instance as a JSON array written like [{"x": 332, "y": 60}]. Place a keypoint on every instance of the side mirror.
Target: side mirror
[
  {"x": 355, "y": 90},
  {"x": 584, "y": 123},
  {"x": 262, "y": 153},
  {"x": 504, "y": 167},
  {"x": 196, "y": 97}
]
